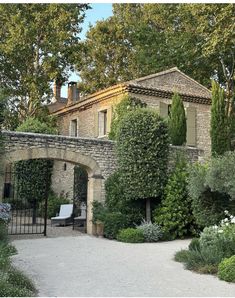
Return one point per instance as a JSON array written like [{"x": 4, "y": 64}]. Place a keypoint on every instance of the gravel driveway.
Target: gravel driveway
[{"x": 89, "y": 266}]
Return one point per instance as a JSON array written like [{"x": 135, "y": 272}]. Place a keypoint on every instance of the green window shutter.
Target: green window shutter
[
  {"x": 163, "y": 109},
  {"x": 96, "y": 120},
  {"x": 191, "y": 126},
  {"x": 109, "y": 118}
]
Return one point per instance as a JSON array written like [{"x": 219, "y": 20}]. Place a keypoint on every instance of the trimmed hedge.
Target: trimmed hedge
[{"x": 131, "y": 235}]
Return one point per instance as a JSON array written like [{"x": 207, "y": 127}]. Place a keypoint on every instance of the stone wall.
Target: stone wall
[
  {"x": 87, "y": 118},
  {"x": 62, "y": 179}
]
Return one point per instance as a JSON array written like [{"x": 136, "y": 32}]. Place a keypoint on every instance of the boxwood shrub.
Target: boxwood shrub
[{"x": 130, "y": 235}]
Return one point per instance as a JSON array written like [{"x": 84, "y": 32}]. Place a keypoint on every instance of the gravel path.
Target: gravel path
[{"x": 89, "y": 266}]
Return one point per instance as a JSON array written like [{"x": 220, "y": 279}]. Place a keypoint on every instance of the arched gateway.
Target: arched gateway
[{"x": 95, "y": 155}]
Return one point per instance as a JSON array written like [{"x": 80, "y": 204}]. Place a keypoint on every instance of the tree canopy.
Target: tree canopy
[
  {"x": 38, "y": 44},
  {"x": 140, "y": 39}
]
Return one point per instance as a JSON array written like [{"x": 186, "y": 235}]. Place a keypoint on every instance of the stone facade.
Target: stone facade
[{"x": 155, "y": 90}]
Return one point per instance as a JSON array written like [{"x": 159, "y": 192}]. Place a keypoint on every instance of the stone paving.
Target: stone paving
[{"x": 96, "y": 267}]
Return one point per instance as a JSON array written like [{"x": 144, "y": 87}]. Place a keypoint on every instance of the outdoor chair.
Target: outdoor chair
[
  {"x": 80, "y": 220},
  {"x": 65, "y": 215}
]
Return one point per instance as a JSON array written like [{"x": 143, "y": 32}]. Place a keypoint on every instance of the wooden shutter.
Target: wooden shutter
[
  {"x": 191, "y": 126},
  {"x": 101, "y": 124},
  {"x": 109, "y": 119},
  {"x": 163, "y": 109},
  {"x": 96, "y": 124}
]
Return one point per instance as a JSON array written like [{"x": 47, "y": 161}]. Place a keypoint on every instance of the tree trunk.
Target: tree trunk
[{"x": 148, "y": 210}]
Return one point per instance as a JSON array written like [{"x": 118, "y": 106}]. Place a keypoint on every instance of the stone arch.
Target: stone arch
[{"x": 94, "y": 191}]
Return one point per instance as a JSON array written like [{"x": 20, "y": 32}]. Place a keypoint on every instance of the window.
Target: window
[
  {"x": 103, "y": 123},
  {"x": 74, "y": 128}
]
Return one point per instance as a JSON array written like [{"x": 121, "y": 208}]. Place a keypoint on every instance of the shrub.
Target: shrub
[
  {"x": 98, "y": 211},
  {"x": 9, "y": 290},
  {"x": 181, "y": 256},
  {"x": 3, "y": 231},
  {"x": 226, "y": 270},
  {"x": 220, "y": 122},
  {"x": 194, "y": 244},
  {"x": 219, "y": 239},
  {"x": 17, "y": 278},
  {"x": 126, "y": 105},
  {"x": 113, "y": 222},
  {"x": 152, "y": 232},
  {"x": 208, "y": 206},
  {"x": 142, "y": 149},
  {"x": 175, "y": 212},
  {"x": 116, "y": 201},
  {"x": 131, "y": 235},
  {"x": 177, "y": 121}
]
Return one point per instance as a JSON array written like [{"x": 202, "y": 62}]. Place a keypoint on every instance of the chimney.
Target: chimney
[
  {"x": 73, "y": 94},
  {"x": 57, "y": 90}
]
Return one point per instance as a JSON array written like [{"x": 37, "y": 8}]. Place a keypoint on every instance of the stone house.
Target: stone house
[{"x": 91, "y": 116}]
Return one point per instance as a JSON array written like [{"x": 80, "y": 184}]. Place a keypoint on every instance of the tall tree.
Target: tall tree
[
  {"x": 142, "y": 148},
  {"x": 220, "y": 122},
  {"x": 148, "y": 38},
  {"x": 38, "y": 43},
  {"x": 177, "y": 121}
]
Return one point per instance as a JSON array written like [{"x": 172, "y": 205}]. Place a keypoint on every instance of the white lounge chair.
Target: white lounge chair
[{"x": 65, "y": 215}]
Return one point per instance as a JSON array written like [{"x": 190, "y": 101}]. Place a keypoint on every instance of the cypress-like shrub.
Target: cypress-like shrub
[
  {"x": 220, "y": 122},
  {"x": 175, "y": 212},
  {"x": 177, "y": 121},
  {"x": 142, "y": 148}
]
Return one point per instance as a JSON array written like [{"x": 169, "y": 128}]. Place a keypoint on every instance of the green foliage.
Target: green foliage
[
  {"x": 127, "y": 104},
  {"x": 181, "y": 256},
  {"x": 194, "y": 244},
  {"x": 34, "y": 125},
  {"x": 33, "y": 179},
  {"x": 142, "y": 148},
  {"x": 53, "y": 205},
  {"x": 13, "y": 283},
  {"x": 116, "y": 200},
  {"x": 98, "y": 211},
  {"x": 3, "y": 232},
  {"x": 131, "y": 235},
  {"x": 226, "y": 270},
  {"x": 18, "y": 279},
  {"x": 215, "y": 244},
  {"x": 208, "y": 206},
  {"x": 151, "y": 231},
  {"x": 177, "y": 121},
  {"x": 40, "y": 52},
  {"x": 221, "y": 175},
  {"x": 113, "y": 222},
  {"x": 219, "y": 238},
  {"x": 9, "y": 290},
  {"x": 124, "y": 46},
  {"x": 220, "y": 129},
  {"x": 174, "y": 214}
]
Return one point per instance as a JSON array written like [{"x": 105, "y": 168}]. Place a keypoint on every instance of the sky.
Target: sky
[{"x": 98, "y": 12}]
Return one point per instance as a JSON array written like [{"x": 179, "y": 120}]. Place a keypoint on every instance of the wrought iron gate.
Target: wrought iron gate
[{"x": 26, "y": 216}]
